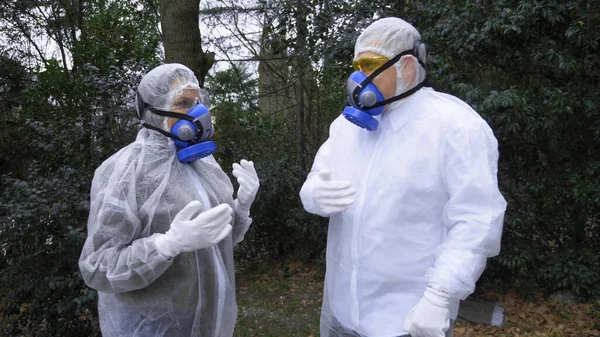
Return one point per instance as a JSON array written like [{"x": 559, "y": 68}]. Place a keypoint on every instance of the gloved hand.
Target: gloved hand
[
  {"x": 189, "y": 233},
  {"x": 430, "y": 317},
  {"x": 248, "y": 180},
  {"x": 332, "y": 196}
]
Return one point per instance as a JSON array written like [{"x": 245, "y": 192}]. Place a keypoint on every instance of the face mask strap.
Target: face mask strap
[
  {"x": 165, "y": 133},
  {"x": 399, "y": 97},
  {"x": 386, "y": 65},
  {"x": 176, "y": 115},
  {"x": 378, "y": 71},
  {"x": 172, "y": 114},
  {"x": 381, "y": 69},
  {"x": 142, "y": 106}
]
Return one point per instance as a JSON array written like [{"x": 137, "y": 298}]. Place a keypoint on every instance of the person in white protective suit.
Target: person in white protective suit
[
  {"x": 162, "y": 225},
  {"x": 412, "y": 196}
]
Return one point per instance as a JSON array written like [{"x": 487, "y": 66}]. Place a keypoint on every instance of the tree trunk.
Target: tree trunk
[
  {"x": 181, "y": 36},
  {"x": 300, "y": 63},
  {"x": 274, "y": 88}
]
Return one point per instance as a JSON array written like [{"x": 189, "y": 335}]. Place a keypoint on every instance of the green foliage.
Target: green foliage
[
  {"x": 42, "y": 235},
  {"x": 57, "y": 129},
  {"x": 63, "y": 130},
  {"x": 118, "y": 32},
  {"x": 576, "y": 270},
  {"x": 281, "y": 227}
]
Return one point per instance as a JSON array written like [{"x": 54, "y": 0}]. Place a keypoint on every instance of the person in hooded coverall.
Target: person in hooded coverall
[
  {"x": 161, "y": 232},
  {"x": 414, "y": 205}
]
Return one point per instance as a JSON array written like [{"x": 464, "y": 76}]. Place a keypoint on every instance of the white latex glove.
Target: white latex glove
[
  {"x": 189, "y": 233},
  {"x": 248, "y": 180},
  {"x": 430, "y": 317},
  {"x": 332, "y": 196}
]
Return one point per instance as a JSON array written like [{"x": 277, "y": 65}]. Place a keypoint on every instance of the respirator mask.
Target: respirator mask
[
  {"x": 192, "y": 134},
  {"x": 366, "y": 101}
]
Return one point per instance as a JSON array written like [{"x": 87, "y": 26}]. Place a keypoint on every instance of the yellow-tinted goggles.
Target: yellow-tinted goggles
[{"x": 369, "y": 64}]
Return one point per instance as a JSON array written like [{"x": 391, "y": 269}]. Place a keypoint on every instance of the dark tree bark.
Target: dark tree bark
[{"x": 181, "y": 36}]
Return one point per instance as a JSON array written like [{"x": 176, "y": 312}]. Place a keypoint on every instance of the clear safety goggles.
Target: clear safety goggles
[{"x": 187, "y": 100}]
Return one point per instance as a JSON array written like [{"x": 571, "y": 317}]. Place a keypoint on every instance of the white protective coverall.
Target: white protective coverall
[
  {"x": 135, "y": 195},
  {"x": 427, "y": 208}
]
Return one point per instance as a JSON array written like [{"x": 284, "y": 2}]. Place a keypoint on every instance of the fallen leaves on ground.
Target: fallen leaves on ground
[
  {"x": 542, "y": 318},
  {"x": 294, "y": 289}
]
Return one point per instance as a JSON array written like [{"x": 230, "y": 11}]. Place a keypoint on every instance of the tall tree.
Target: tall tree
[
  {"x": 182, "y": 39},
  {"x": 300, "y": 67}
]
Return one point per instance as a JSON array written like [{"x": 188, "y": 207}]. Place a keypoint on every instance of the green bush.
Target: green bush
[
  {"x": 281, "y": 227},
  {"x": 575, "y": 270}
]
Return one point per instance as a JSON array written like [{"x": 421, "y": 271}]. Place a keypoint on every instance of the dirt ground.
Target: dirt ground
[{"x": 285, "y": 300}]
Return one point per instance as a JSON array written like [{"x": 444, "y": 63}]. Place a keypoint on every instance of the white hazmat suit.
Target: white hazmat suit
[
  {"x": 423, "y": 209},
  {"x": 135, "y": 197}
]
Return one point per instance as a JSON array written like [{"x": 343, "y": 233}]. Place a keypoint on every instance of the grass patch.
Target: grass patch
[{"x": 282, "y": 301}]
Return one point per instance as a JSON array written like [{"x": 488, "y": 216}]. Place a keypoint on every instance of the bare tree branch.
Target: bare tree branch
[
  {"x": 155, "y": 10},
  {"x": 257, "y": 59}
]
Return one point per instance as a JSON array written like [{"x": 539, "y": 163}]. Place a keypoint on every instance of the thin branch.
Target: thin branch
[
  {"x": 246, "y": 43},
  {"x": 30, "y": 39},
  {"x": 224, "y": 9},
  {"x": 155, "y": 10},
  {"x": 254, "y": 59},
  {"x": 277, "y": 91},
  {"x": 60, "y": 42}
]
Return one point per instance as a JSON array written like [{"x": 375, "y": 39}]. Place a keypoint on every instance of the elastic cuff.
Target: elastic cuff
[
  {"x": 164, "y": 247},
  {"x": 437, "y": 297}
]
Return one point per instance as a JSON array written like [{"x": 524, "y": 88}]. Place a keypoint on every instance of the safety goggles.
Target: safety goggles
[
  {"x": 369, "y": 64},
  {"x": 185, "y": 102}
]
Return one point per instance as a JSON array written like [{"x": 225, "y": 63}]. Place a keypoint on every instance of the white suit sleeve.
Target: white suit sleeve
[
  {"x": 113, "y": 259},
  {"x": 474, "y": 213},
  {"x": 322, "y": 161},
  {"x": 241, "y": 223}
]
